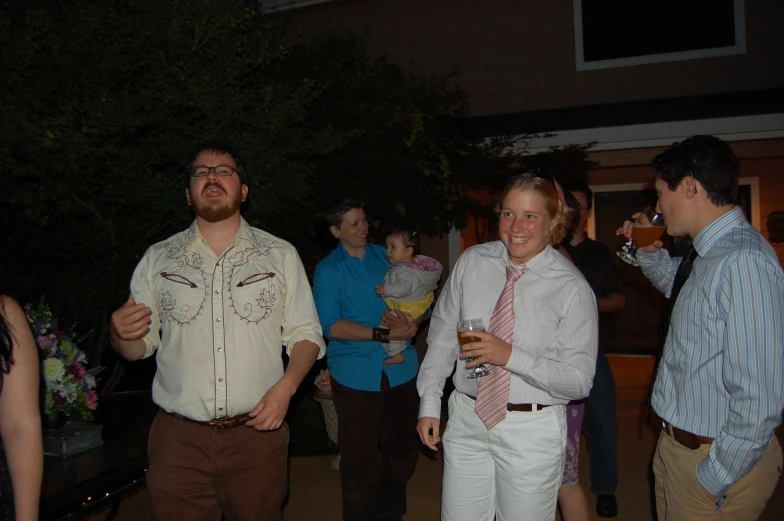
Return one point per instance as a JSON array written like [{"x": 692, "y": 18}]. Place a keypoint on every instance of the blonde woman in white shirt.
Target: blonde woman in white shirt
[{"x": 511, "y": 470}]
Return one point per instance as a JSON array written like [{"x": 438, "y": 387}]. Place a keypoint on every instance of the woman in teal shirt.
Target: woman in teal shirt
[{"x": 376, "y": 404}]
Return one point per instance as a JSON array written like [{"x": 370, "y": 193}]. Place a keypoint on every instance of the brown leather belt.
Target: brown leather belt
[
  {"x": 218, "y": 423},
  {"x": 521, "y": 407},
  {"x": 687, "y": 439}
]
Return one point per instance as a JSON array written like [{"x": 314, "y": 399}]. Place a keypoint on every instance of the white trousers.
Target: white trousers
[{"x": 512, "y": 471}]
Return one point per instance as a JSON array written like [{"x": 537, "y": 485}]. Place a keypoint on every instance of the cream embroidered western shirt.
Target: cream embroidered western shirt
[{"x": 219, "y": 323}]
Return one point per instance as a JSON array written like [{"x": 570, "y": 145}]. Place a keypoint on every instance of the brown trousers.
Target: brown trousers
[
  {"x": 379, "y": 446},
  {"x": 198, "y": 473},
  {"x": 680, "y": 498}
]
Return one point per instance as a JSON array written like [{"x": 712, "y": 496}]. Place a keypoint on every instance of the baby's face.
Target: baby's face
[{"x": 397, "y": 252}]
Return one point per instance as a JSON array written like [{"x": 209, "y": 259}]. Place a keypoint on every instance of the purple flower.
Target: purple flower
[{"x": 43, "y": 342}]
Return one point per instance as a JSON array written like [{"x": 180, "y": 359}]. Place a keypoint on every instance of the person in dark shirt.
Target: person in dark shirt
[{"x": 600, "y": 425}]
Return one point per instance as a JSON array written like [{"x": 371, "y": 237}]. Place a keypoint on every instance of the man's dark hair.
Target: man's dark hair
[
  {"x": 215, "y": 147},
  {"x": 574, "y": 214},
  {"x": 577, "y": 186},
  {"x": 335, "y": 212},
  {"x": 707, "y": 159}
]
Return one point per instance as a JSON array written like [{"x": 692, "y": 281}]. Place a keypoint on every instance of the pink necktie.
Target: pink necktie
[{"x": 493, "y": 392}]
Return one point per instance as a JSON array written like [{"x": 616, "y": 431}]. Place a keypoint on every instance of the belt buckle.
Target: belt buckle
[{"x": 220, "y": 423}]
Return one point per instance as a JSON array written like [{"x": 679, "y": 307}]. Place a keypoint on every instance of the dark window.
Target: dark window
[{"x": 623, "y": 29}]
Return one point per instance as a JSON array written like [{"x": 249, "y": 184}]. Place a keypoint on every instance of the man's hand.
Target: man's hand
[
  {"x": 429, "y": 432},
  {"x": 489, "y": 349},
  {"x": 713, "y": 499},
  {"x": 380, "y": 290},
  {"x": 626, "y": 231},
  {"x": 131, "y": 322},
  {"x": 270, "y": 412}
]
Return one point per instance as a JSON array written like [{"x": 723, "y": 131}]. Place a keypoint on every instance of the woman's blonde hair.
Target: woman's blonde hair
[{"x": 552, "y": 193}]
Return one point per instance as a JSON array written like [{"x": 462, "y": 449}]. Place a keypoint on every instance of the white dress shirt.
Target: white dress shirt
[
  {"x": 556, "y": 328},
  {"x": 219, "y": 323}
]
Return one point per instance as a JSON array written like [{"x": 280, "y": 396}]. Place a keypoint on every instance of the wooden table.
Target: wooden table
[{"x": 75, "y": 486}]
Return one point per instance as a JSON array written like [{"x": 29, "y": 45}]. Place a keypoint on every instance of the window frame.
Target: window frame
[{"x": 739, "y": 9}]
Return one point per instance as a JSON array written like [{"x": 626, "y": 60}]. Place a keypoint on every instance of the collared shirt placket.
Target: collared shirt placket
[{"x": 219, "y": 338}]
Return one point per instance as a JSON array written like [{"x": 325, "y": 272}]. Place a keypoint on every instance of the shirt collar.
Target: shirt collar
[
  {"x": 538, "y": 265},
  {"x": 192, "y": 234},
  {"x": 709, "y": 235},
  {"x": 344, "y": 254}
]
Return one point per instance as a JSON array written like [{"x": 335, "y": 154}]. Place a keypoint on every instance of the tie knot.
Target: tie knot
[{"x": 513, "y": 274}]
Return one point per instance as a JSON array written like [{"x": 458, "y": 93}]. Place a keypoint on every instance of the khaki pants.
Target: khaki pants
[
  {"x": 680, "y": 498},
  {"x": 198, "y": 473}
]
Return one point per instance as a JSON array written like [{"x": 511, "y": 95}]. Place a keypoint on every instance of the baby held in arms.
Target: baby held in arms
[{"x": 408, "y": 284}]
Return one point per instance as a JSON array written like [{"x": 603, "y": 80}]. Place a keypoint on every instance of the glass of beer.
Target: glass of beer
[
  {"x": 647, "y": 229},
  {"x": 472, "y": 324}
]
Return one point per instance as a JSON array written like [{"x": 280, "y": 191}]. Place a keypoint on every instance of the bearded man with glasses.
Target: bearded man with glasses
[{"x": 216, "y": 302}]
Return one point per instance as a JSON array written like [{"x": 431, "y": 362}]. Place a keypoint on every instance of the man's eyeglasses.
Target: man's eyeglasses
[{"x": 221, "y": 170}]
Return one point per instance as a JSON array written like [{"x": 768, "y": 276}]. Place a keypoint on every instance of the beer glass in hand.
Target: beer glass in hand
[
  {"x": 472, "y": 324},
  {"x": 646, "y": 229}
]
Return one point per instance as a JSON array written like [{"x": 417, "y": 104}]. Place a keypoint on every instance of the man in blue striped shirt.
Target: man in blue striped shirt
[{"x": 720, "y": 385}]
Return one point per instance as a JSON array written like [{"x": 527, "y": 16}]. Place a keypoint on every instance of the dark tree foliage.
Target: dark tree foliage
[{"x": 102, "y": 101}]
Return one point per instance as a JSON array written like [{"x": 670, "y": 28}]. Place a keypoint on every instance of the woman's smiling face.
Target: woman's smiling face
[
  {"x": 524, "y": 224},
  {"x": 353, "y": 229}
]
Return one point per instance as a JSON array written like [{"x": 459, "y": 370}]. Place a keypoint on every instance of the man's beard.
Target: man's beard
[{"x": 216, "y": 211}]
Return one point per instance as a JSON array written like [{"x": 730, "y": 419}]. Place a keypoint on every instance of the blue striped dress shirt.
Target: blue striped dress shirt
[{"x": 722, "y": 369}]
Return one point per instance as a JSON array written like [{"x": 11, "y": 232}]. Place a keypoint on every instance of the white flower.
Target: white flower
[
  {"x": 90, "y": 379},
  {"x": 67, "y": 391},
  {"x": 54, "y": 370},
  {"x": 81, "y": 357}
]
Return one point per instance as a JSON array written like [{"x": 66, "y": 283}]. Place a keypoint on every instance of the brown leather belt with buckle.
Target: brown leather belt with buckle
[
  {"x": 218, "y": 423},
  {"x": 520, "y": 407},
  {"x": 687, "y": 439}
]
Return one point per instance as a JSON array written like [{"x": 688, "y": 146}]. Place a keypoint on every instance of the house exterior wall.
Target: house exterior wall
[{"x": 519, "y": 55}]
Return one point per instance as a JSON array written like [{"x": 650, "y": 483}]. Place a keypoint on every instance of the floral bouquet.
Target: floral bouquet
[{"x": 68, "y": 386}]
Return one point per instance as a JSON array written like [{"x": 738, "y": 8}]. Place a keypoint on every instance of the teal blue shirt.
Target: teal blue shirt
[{"x": 344, "y": 287}]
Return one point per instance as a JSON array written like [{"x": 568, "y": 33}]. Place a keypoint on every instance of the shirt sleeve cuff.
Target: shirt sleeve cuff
[
  {"x": 649, "y": 259},
  {"x": 520, "y": 362},
  {"x": 430, "y": 407},
  {"x": 318, "y": 340},
  {"x": 708, "y": 480},
  {"x": 150, "y": 349}
]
